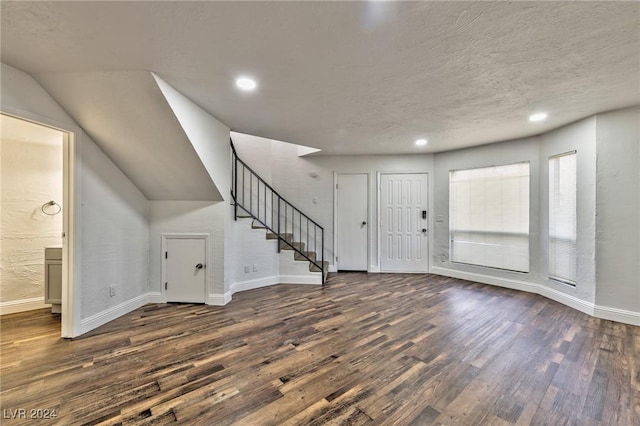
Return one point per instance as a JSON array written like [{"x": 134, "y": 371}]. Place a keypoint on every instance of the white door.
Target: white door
[
  {"x": 185, "y": 273},
  {"x": 404, "y": 218},
  {"x": 352, "y": 227}
]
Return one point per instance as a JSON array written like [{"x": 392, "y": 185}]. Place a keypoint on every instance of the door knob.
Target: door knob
[
  {"x": 424, "y": 229},
  {"x": 199, "y": 266},
  {"x": 364, "y": 223}
]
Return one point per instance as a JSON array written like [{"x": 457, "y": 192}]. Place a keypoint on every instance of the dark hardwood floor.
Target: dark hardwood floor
[{"x": 365, "y": 349}]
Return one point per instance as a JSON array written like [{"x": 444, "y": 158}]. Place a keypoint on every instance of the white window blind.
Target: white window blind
[
  {"x": 489, "y": 216},
  {"x": 562, "y": 217}
]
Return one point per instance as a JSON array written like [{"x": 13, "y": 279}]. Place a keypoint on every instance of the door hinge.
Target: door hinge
[
  {"x": 165, "y": 286},
  {"x": 336, "y": 186}
]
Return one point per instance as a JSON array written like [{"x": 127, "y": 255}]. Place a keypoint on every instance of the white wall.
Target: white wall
[
  {"x": 104, "y": 200},
  {"x": 115, "y": 234},
  {"x": 31, "y": 175},
  {"x": 291, "y": 176},
  {"x": 252, "y": 248},
  {"x": 618, "y": 210}
]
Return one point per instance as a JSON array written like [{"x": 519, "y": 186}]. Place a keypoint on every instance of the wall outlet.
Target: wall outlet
[
  {"x": 247, "y": 269},
  {"x": 255, "y": 267},
  {"x": 112, "y": 290}
]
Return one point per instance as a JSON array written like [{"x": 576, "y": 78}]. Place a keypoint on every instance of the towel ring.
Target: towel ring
[{"x": 51, "y": 203}]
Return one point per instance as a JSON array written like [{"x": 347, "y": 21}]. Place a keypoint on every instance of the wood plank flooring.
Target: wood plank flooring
[{"x": 366, "y": 349}]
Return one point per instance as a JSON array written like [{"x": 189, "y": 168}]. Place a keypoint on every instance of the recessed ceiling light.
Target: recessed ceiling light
[
  {"x": 539, "y": 116},
  {"x": 246, "y": 83},
  {"x": 421, "y": 142}
]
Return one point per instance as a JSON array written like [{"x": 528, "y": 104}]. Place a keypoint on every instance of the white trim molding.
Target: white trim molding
[
  {"x": 155, "y": 297},
  {"x": 602, "y": 312},
  {"x": 301, "y": 279},
  {"x": 101, "y": 318},
  {"x": 22, "y": 305},
  {"x": 251, "y": 284},
  {"x": 223, "y": 299},
  {"x": 218, "y": 299},
  {"x": 619, "y": 315}
]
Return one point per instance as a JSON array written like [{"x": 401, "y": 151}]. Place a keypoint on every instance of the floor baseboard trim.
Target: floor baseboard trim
[
  {"x": 101, "y": 318},
  {"x": 300, "y": 279},
  {"x": 155, "y": 297},
  {"x": 619, "y": 315},
  {"x": 251, "y": 284},
  {"x": 567, "y": 299},
  {"x": 22, "y": 305},
  {"x": 486, "y": 279},
  {"x": 217, "y": 299},
  {"x": 603, "y": 312}
]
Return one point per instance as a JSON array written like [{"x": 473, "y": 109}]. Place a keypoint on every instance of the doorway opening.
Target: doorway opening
[{"x": 35, "y": 208}]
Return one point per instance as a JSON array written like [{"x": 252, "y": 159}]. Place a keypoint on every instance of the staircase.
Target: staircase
[{"x": 256, "y": 199}]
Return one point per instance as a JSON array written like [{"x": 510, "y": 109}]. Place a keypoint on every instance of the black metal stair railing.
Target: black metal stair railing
[{"x": 292, "y": 228}]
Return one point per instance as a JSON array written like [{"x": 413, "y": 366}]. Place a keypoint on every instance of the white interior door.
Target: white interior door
[
  {"x": 352, "y": 223},
  {"x": 185, "y": 273},
  {"x": 404, "y": 219}
]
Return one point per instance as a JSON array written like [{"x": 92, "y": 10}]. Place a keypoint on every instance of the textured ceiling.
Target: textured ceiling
[{"x": 350, "y": 77}]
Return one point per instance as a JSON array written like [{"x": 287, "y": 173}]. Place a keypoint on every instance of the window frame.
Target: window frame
[{"x": 551, "y": 276}]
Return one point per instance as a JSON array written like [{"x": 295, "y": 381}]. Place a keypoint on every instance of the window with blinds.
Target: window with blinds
[
  {"x": 563, "y": 217},
  {"x": 489, "y": 216}
]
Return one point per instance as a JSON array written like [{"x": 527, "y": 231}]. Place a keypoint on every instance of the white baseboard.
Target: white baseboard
[
  {"x": 333, "y": 268},
  {"x": 216, "y": 299},
  {"x": 101, "y": 318},
  {"x": 603, "y": 312},
  {"x": 486, "y": 279},
  {"x": 300, "y": 279},
  {"x": 251, "y": 284},
  {"x": 23, "y": 305},
  {"x": 155, "y": 297},
  {"x": 567, "y": 299},
  {"x": 223, "y": 299},
  {"x": 619, "y": 315},
  {"x": 374, "y": 269}
]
